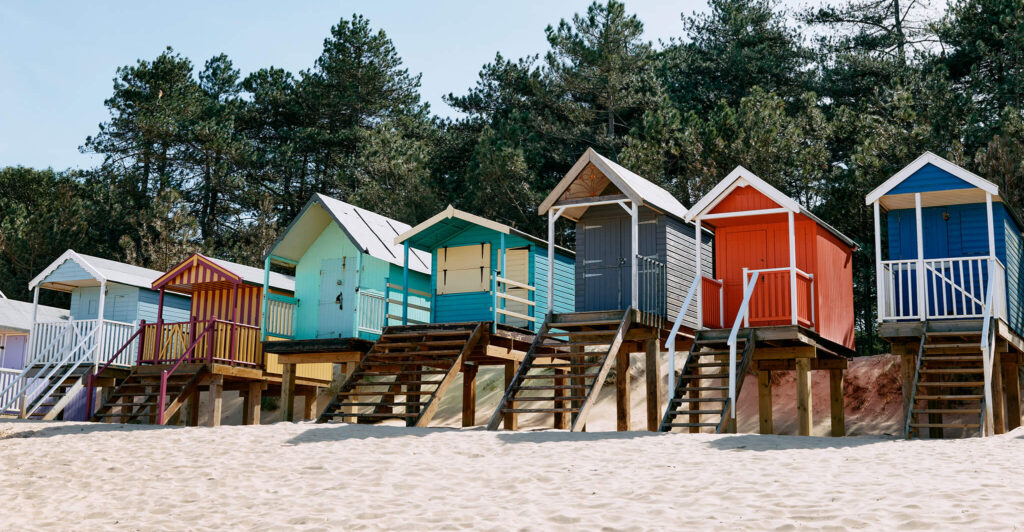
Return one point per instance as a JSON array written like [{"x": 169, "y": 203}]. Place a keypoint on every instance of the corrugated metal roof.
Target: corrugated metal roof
[
  {"x": 100, "y": 269},
  {"x": 439, "y": 228},
  {"x": 255, "y": 275},
  {"x": 17, "y": 315},
  {"x": 372, "y": 233}
]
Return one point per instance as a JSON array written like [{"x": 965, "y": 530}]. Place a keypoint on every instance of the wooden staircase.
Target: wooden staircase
[
  {"x": 136, "y": 399},
  {"x": 418, "y": 362},
  {"x": 949, "y": 382},
  {"x": 60, "y": 391},
  {"x": 701, "y": 396},
  {"x": 565, "y": 367}
]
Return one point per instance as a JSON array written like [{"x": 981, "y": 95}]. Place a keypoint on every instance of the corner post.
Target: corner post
[
  {"x": 100, "y": 321},
  {"x": 792, "y": 268},
  {"x": 33, "y": 336},
  {"x": 266, "y": 298},
  {"x": 503, "y": 273},
  {"x": 700, "y": 274},
  {"x": 991, "y": 227},
  {"x": 879, "y": 313},
  {"x": 922, "y": 290},
  {"x": 552, "y": 217},
  {"x": 234, "y": 324},
  {"x": 159, "y": 327},
  {"x": 405, "y": 283},
  {"x": 634, "y": 237}
]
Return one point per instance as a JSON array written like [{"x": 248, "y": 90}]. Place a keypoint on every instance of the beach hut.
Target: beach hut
[
  {"x": 950, "y": 297},
  {"x": 15, "y": 326},
  {"x": 108, "y": 299},
  {"x": 216, "y": 346},
  {"x": 781, "y": 298},
  {"x": 635, "y": 259},
  {"x": 487, "y": 287},
  {"x": 350, "y": 279}
]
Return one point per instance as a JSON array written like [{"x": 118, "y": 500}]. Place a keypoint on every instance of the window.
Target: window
[{"x": 464, "y": 269}]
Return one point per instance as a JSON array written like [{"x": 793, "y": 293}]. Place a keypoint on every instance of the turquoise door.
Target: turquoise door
[{"x": 337, "y": 298}]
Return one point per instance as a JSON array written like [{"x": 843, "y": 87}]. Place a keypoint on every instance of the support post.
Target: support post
[
  {"x": 991, "y": 226},
  {"x": 634, "y": 237},
  {"x": 561, "y": 418},
  {"x": 700, "y": 291},
  {"x": 193, "y": 409},
  {"x": 216, "y": 399},
  {"x": 622, "y": 402},
  {"x": 469, "y": 395},
  {"x": 998, "y": 418},
  {"x": 266, "y": 298},
  {"x": 234, "y": 327},
  {"x": 309, "y": 403},
  {"x": 803, "y": 396},
  {"x": 835, "y": 386},
  {"x": 254, "y": 399},
  {"x": 159, "y": 327},
  {"x": 288, "y": 392},
  {"x": 792, "y": 268},
  {"x": 552, "y": 218},
  {"x": 100, "y": 322},
  {"x": 922, "y": 290},
  {"x": 652, "y": 354},
  {"x": 879, "y": 290},
  {"x": 1011, "y": 381},
  {"x": 764, "y": 401},
  {"x": 405, "y": 283},
  {"x": 33, "y": 340},
  {"x": 511, "y": 418}
]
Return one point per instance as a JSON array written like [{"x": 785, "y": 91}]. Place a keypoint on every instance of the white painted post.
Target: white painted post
[
  {"x": 991, "y": 227},
  {"x": 266, "y": 295},
  {"x": 634, "y": 213},
  {"x": 746, "y": 313},
  {"x": 405, "y": 284},
  {"x": 700, "y": 274},
  {"x": 101, "y": 323},
  {"x": 879, "y": 284},
  {"x": 792, "y": 268},
  {"x": 34, "y": 336},
  {"x": 922, "y": 290},
  {"x": 552, "y": 217}
]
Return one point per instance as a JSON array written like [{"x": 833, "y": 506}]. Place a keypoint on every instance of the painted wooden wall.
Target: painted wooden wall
[
  {"x": 127, "y": 304},
  {"x": 217, "y": 303},
  {"x": 12, "y": 349}
]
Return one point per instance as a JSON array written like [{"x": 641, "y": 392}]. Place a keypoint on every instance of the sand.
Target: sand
[{"x": 306, "y": 476}]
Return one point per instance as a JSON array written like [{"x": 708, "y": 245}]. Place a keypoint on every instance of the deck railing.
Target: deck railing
[
  {"x": 280, "y": 318},
  {"x": 7, "y": 377},
  {"x": 230, "y": 343},
  {"x": 652, "y": 284},
  {"x": 953, "y": 288},
  {"x": 49, "y": 341},
  {"x": 770, "y": 301},
  {"x": 394, "y": 294},
  {"x": 713, "y": 300},
  {"x": 670, "y": 343},
  {"x": 502, "y": 301},
  {"x": 371, "y": 312}
]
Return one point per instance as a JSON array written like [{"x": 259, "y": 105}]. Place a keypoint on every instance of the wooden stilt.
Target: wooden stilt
[
  {"x": 288, "y": 392},
  {"x": 511, "y": 418},
  {"x": 216, "y": 399},
  {"x": 622, "y": 402},
  {"x": 1011, "y": 382},
  {"x": 803, "y": 396},
  {"x": 469, "y": 395},
  {"x": 908, "y": 366},
  {"x": 998, "y": 418},
  {"x": 193, "y": 409},
  {"x": 562, "y": 420},
  {"x": 309, "y": 403},
  {"x": 764, "y": 401},
  {"x": 835, "y": 386},
  {"x": 651, "y": 355},
  {"x": 254, "y": 398}
]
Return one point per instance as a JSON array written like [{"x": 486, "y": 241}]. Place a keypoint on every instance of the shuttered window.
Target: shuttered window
[{"x": 464, "y": 269}]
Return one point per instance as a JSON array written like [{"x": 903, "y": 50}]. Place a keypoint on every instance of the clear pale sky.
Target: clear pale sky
[{"x": 57, "y": 60}]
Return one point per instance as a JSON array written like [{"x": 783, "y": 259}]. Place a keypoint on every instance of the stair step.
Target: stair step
[
  {"x": 574, "y": 334},
  {"x": 701, "y": 412},
  {"x": 400, "y": 403},
  {"x": 704, "y": 388},
  {"x": 952, "y": 371},
  {"x": 708, "y": 365},
  {"x": 705, "y": 376},
  {"x": 951, "y": 358},
  {"x": 700, "y": 400},
  {"x": 945, "y": 425},
  {"x": 559, "y": 376},
  {"x": 537, "y": 399},
  {"x": 380, "y": 415},
  {"x": 972, "y": 384},
  {"x": 568, "y": 365},
  {"x": 704, "y": 353},
  {"x": 953, "y": 346},
  {"x": 538, "y": 410},
  {"x": 948, "y": 397},
  {"x": 585, "y": 323},
  {"x": 404, "y": 372},
  {"x": 574, "y": 344},
  {"x": 948, "y": 411},
  {"x": 554, "y": 387},
  {"x": 691, "y": 424}
]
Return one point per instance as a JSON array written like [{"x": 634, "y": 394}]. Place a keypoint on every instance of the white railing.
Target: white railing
[
  {"x": 115, "y": 334},
  {"x": 81, "y": 344},
  {"x": 371, "y": 312},
  {"x": 391, "y": 290},
  {"x": 7, "y": 377},
  {"x": 653, "y": 285},
  {"x": 748, "y": 291},
  {"x": 500, "y": 299},
  {"x": 988, "y": 342},
  {"x": 670, "y": 343},
  {"x": 50, "y": 343},
  {"x": 953, "y": 288},
  {"x": 280, "y": 318},
  {"x": 774, "y": 301}
]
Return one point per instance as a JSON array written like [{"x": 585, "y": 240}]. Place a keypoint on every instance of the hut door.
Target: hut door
[
  {"x": 606, "y": 265},
  {"x": 517, "y": 264},
  {"x": 13, "y": 354},
  {"x": 745, "y": 249},
  {"x": 337, "y": 297}
]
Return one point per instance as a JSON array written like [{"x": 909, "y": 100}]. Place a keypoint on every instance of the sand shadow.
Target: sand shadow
[
  {"x": 332, "y": 432},
  {"x": 72, "y": 429},
  {"x": 769, "y": 443},
  {"x": 555, "y": 436}
]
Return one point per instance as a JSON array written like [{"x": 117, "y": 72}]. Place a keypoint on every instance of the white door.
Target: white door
[
  {"x": 337, "y": 298},
  {"x": 517, "y": 266}
]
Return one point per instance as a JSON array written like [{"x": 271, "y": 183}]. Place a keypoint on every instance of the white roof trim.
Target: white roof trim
[
  {"x": 448, "y": 213},
  {"x": 740, "y": 177},
  {"x": 943, "y": 164},
  {"x": 66, "y": 256}
]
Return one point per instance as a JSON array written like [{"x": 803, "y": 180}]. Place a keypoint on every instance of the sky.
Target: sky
[{"x": 58, "y": 60}]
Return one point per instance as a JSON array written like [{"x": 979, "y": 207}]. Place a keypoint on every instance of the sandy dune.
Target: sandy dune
[{"x": 305, "y": 476}]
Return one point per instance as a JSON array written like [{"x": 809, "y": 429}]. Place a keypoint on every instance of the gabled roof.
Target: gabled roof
[
  {"x": 741, "y": 177},
  {"x": 17, "y": 315},
  {"x": 198, "y": 269},
  {"x": 98, "y": 269},
  {"x": 438, "y": 228},
  {"x": 925, "y": 159},
  {"x": 636, "y": 188},
  {"x": 372, "y": 233}
]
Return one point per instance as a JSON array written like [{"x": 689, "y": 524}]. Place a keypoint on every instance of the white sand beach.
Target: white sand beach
[{"x": 306, "y": 476}]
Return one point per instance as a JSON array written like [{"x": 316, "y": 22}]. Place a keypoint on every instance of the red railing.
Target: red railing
[
  {"x": 161, "y": 401},
  {"x": 92, "y": 377},
  {"x": 231, "y": 343},
  {"x": 770, "y": 303},
  {"x": 713, "y": 300}
]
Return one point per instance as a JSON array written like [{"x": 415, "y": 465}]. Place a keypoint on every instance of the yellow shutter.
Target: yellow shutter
[{"x": 464, "y": 269}]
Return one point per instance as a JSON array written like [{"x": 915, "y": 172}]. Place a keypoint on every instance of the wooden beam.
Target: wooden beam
[
  {"x": 562, "y": 419},
  {"x": 764, "y": 401},
  {"x": 321, "y": 358},
  {"x": 651, "y": 354},
  {"x": 622, "y": 390},
  {"x": 782, "y": 353},
  {"x": 469, "y": 373},
  {"x": 254, "y": 398},
  {"x": 193, "y": 409},
  {"x": 803, "y": 396},
  {"x": 216, "y": 399},
  {"x": 816, "y": 364},
  {"x": 1011, "y": 381},
  {"x": 511, "y": 418},
  {"x": 288, "y": 392},
  {"x": 998, "y": 418},
  {"x": 835, "y": 386},
  {"x": 309, "y": 403}
]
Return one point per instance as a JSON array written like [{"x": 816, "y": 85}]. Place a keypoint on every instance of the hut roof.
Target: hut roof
[
  {"x": 578, "y": 184},
  {"x": 17, "y": 315},
  {"x": 929, "y": 158},
  {"x": 438, "y": 228},
  {"x": 185, "y": 276},
  {"x": 372, "y": 233},
  {"x": 96, "y": 269}
]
